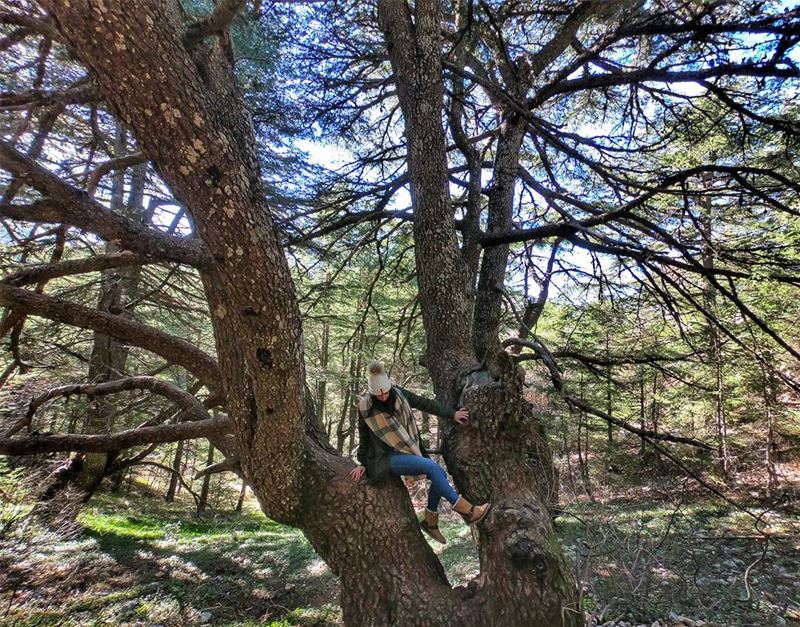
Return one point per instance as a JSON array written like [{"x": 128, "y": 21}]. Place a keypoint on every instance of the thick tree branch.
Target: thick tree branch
[
  {"x": 561, "y": 40},
  {"x": 98, "y": 263},
  {"x": 649, "y": 75},
  {"x": 215, "y": 24},
  {"x": 107, "y": 443},
  {"x": 560, "y": 229},
  {"x": 169, "y": 347},
  {"x": 81, "y": 94},
  {"x": 617, "y": 360},
  {"x": 67, "y": 205},
  {"x": 40, "y": 26}
]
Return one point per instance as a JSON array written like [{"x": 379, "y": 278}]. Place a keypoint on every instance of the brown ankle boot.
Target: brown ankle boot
[
  {"x": 429, "y": 523},
  {"x": 472, "y": 514}
]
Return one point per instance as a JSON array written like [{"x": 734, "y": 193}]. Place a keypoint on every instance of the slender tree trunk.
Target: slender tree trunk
[
  {"x": 201, "y": 506},
  {"x": 341, "y": 426},
  {"x": 352, "y": 412},
  {"x": 177, "y": 469},
  {"x": 242, "y": 494},
  {"x": 579, "y": 442},
  {"x": 642, "y": 411},
  {"x": 583, "y": 448},
  {"x": 655, "y": 404},
  {"x": 609, "y": 399},
  {"x": 322, "y": 382},
  {"x": 714, "y": 346},
  {"x": 770, "y": 396},
  {"x": 344, "y": 428},
  {"x": 719, "y": 407}
]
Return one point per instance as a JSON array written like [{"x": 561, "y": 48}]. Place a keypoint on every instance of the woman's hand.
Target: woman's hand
[
  {"x": 462, "y": 416},
  {"x": 357, "y": 473}
]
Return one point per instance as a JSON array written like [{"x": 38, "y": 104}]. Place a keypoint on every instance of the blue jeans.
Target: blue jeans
[{"x": 403, "y": 464}]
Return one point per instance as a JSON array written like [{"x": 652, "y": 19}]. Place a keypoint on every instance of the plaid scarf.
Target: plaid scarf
[{"x": 397, "y": 429}]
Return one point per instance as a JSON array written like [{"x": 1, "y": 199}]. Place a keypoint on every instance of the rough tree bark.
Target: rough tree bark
[
  {"x": 177, "y": 94},
  {"x": 502, "y": 456},
  {"x": 183, "y": 108}
]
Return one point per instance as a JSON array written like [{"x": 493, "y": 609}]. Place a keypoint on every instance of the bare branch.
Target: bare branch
[
  {"x": 558, "y": 383},
  {"x": 142, "y": 462},
  {"x": 120, "y": 163},
  {"x": 229, "y": 464},
  {"x": 158, "y": 386}
]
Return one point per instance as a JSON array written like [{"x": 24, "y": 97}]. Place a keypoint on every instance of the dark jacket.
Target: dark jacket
[{"x": 373, "y": 452}]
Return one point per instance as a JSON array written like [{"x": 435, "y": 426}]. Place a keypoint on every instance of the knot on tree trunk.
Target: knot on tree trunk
[
  {"x": 527, "y": 541},
  {"x": 503, "y": 449},
  {"x": 494, "y": 393}
]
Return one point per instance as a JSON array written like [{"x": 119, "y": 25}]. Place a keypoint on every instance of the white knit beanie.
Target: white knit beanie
[{"x": 378, "y": 380}]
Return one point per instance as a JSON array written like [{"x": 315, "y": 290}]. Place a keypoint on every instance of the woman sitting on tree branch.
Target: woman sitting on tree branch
[{"x": 389, "y": 444}]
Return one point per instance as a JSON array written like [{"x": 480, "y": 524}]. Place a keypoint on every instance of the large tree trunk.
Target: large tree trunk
[
  {"x": 178, "y": 96},
  {"x": 503, "y": 456},
  {"x": 488, "y": 299},
  {"x": 414, "y": 50}
]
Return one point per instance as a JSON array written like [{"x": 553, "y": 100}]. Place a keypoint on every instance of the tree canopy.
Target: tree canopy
[{"x": 603, "y": 192}]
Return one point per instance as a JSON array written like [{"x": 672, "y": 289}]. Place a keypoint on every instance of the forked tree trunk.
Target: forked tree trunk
[
  {"x": 186, "y": 114},
  {"x": 502, "y": 456}
]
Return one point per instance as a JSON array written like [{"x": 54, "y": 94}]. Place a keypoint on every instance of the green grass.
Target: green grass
[
  {"x": 136, "y": 563},
  {"x": 460, "y": 555},
  {"x": 142, "y": 561}
]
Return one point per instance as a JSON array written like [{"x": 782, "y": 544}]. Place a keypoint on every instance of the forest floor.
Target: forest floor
[{"x": 663, "y": 553}]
